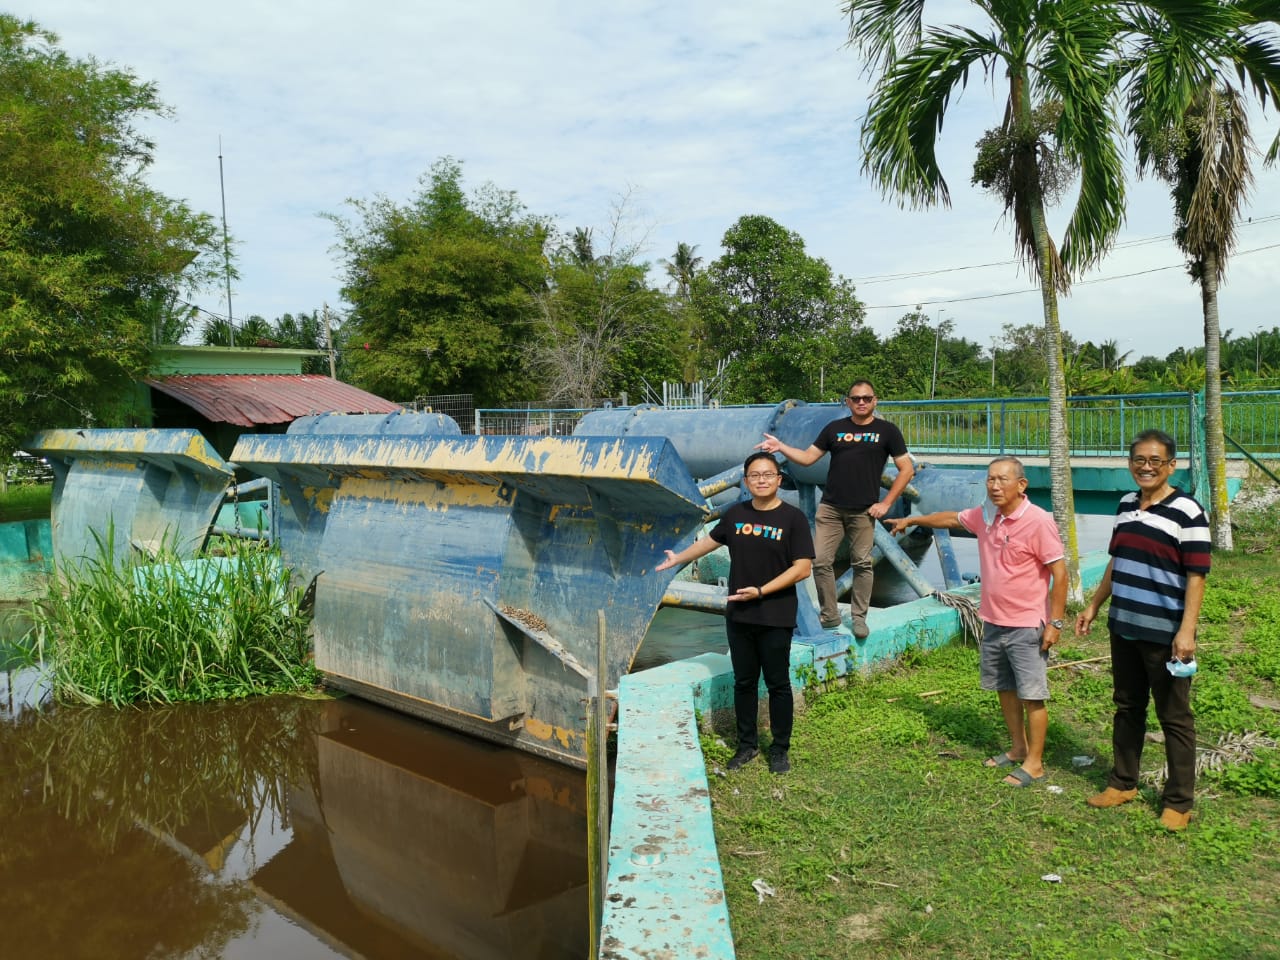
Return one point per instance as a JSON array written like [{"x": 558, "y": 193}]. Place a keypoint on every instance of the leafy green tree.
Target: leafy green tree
[
  {"x": 92, "y": 261},
  {"x": 602, "y": 330},
  {"x": 906, "y": 367},
  {"x": 778, "y": 313},
  {"x": 442, "y": 289}
]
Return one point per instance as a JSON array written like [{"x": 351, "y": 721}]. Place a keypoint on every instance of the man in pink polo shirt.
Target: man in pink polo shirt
[{"x": 1020, "y": 555}]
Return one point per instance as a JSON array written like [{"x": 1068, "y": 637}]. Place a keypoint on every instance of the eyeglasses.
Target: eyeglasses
[
  {"x": 862, "y": 398},
  {"x": 1149, "y": 461},
  {"x": 753, "y": 477},
  {"x": 1001, "y": 481}
]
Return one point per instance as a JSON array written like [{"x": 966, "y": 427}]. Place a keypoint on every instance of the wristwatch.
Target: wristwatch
[{"x": 1056, "y": 624}]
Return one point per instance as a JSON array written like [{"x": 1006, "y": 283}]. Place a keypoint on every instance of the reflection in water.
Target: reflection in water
[{"x": 281, "y": 827}]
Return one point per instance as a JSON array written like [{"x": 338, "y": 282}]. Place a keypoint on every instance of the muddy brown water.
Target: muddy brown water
[{"x": 283, "y": 828}]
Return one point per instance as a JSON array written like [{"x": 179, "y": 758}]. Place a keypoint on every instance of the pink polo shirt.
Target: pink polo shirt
[{"x": 1014, "y": 554}]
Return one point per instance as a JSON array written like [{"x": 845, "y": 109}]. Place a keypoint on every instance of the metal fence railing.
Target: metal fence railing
[
  {"x": 528, "y": 423},
  {"x": 1098, "y": 425}
]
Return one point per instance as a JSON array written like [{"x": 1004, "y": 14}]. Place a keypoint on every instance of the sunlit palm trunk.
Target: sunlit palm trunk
[
  {"x": 1215, "y": 445},
  {"x": 1062, "y": 495}
]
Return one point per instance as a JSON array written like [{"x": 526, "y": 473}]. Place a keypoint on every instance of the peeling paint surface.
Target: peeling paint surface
[
  {"x": 427, "y": 539},
  {"x": 137, "y": 489},
  {"x": 665, "y": 893}
]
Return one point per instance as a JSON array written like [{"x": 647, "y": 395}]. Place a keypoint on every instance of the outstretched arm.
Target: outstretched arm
[
  {"x": 942, "y": 520},
  {"x": 799, "y": 570},
  {"x": 699, "y": 548},
  {"x": 772, "y": 444}
]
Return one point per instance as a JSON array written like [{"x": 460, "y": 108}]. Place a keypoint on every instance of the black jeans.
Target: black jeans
[
  {"x": 756, "y": 649},
  {"x": 1139, "y": 674}
]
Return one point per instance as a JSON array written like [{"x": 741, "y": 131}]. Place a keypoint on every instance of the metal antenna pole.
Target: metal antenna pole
[{"x": 226, "y": 249}]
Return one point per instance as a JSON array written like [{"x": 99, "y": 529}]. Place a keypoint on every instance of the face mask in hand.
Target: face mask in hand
[{"x": 1177, "y": 668}]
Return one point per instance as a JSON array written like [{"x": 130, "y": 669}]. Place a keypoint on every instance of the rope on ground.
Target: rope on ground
[{"x": 970, "y": 622}]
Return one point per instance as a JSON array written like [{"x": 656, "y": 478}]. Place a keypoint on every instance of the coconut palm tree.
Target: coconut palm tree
[
  {"x": 682, "y": 267},
  {"x": 1053, "y": 56},
  {"x": 1063, "y": 62}
]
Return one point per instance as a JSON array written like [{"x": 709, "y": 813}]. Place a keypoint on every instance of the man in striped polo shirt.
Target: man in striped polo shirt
[{"x": 1155, "y": 579}]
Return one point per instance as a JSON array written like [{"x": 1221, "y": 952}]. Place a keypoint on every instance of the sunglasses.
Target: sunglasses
[{"x": 861, "y": 398}]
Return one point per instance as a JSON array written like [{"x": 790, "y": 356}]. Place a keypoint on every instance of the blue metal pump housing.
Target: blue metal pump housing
[
  {"x": 459, "y": 577},
  {"x": 136, "y": 490}
]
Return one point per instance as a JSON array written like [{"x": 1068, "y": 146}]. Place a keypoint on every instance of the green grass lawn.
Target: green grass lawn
[
  {"x": 25, "y": 501},
  {"x": 890, "y": 839}
]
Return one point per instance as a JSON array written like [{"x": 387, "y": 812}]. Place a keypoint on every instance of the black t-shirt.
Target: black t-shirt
[
  {"x": 858, "y": 455},
  {"x": 762, "y": 544}
]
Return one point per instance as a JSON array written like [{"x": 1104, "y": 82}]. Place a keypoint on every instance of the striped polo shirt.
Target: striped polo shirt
[{"x": 1152, "y": 552}]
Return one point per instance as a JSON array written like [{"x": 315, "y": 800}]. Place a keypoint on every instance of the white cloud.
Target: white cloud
[{"x": 708, "y": 111}]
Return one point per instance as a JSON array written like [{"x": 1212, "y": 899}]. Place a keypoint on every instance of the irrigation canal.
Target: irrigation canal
[{"x": 283, "y": 828}]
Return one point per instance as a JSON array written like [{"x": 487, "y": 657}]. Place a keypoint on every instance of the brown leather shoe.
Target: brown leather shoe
[
  {"x": 1174, "y": 820},
  {"x": 1111, "y": 797}
]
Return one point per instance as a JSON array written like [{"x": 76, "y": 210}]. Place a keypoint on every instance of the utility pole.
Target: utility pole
[
  {"x": 328, "y": 337},
  {"x": 1257, "y": 355},
  {"x": 937, "y": 337},
  {"x": 226, "y": 250},
  {"x": 993, "y": 363}
]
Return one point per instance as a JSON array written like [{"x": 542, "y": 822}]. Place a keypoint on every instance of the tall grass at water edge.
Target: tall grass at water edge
[{"x": 169, "y": 630}]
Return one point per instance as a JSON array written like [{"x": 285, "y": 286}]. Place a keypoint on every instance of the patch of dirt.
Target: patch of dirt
[{"x": 861, "y": 927}]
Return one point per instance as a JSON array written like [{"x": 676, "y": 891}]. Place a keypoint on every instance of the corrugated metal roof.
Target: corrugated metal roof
[{"x": 250, "y": 399}]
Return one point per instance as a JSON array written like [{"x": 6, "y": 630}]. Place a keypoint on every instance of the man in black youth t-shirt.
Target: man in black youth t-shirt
[
  {"x": 770, "y": 551},
  {"x": 860, "y": 445}
]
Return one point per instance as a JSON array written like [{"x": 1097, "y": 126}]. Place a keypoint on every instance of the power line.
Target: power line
[
  {"x": 1123, "y": 245},
  {"x": 1081, "y": 283}
]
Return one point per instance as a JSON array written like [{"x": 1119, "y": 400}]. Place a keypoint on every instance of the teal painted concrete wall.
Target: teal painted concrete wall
[
  {"x": 665, "y": 891},
  {"x": 26, "y": 559}
]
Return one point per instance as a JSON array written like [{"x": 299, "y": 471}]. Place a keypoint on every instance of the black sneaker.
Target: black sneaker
[
  {"x": 778, "y": 761},
  {"x": 744, "y": 756}
]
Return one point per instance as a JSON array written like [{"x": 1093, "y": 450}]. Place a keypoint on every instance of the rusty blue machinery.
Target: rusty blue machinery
[
  {"x": 139, "y": 490},
  {"x": 458, "y": 577},
  {"x": 712, "y": 440}
]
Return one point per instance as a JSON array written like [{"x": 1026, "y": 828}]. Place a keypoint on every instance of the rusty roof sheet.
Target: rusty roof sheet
[{"x": 251, "y": 399}]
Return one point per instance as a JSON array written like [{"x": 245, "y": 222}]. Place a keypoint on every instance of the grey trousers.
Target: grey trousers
[{"x": 832, "y": 526}]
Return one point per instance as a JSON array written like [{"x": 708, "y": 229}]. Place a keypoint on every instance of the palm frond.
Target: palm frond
[
  {"x": 900, "y": 130},
  {"x": 883, "y": 29}
]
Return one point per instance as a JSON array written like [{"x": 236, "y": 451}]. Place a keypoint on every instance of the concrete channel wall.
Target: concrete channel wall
[{"x": 665, "y": 897}]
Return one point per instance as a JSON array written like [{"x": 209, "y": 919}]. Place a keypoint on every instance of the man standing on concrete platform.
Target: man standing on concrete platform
[
  {"x": 1018, "y": 551},
  {"x": 860, "y": 445}
]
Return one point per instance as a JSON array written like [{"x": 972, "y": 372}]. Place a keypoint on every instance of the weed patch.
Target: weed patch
[{"x": 172, "y": 630}]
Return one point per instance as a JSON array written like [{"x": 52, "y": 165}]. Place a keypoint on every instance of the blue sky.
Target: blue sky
[{"x": 697, "y": 112}]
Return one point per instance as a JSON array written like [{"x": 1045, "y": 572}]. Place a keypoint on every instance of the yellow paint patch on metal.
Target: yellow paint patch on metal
[
  {"x": 120, "y": 466},
  {"x": 198, "y": 450},
  {"x": 430, "y": 495},
  {"x": 541, "y": 730},
  {"x": 321, "y": 499},
  {"x": 555, "y": 456}
]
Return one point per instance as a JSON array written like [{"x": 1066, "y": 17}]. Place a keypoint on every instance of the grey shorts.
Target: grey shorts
[{"x": 1012, "y": 660}]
